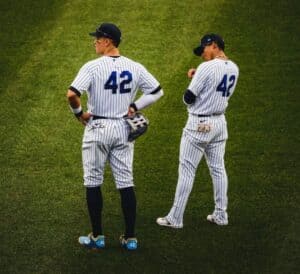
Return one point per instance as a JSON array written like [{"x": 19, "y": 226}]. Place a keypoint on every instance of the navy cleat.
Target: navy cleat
[
  {"x": 91, "y": 242},
  {"x": 129, "y": 243}
]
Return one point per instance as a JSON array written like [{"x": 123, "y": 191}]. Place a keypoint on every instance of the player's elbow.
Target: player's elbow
[
  {"x": 156, "y": 96},
  {"x": 157, "y": 93},
  {"x": 72, "y": 97},
  {"x": 71, "y": 94},
  {"x": 160, "y": 93},
  {"x": 189, "y": 97}
]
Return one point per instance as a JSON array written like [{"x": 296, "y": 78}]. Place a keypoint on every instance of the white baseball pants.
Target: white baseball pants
[{"x": 194, "y": 145}]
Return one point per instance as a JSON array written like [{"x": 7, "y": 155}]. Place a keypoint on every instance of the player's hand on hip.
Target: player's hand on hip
[
  {"x": 84, "y": 118},
  {"x": 131, "y": 112},
  {"x": 191, "y": 73}
]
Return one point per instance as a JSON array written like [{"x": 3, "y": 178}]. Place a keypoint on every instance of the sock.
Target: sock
[
  {"x": 95, "y": 204},
  {"x": 128, "y": 203}
]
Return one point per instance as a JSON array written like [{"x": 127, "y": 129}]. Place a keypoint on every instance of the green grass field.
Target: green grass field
[{"x": 42, "y": 198}]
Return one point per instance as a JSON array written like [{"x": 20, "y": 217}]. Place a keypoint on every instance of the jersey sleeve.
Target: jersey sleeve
[
  {"x": 147, "y": 82},
  {"x": 83, "y": 79},
  {"x": 199, "y": 80}
]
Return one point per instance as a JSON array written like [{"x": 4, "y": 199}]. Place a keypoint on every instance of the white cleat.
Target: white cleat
[
  {"x": 211, "y": 218},
  {"x": 164, "y": 222}
]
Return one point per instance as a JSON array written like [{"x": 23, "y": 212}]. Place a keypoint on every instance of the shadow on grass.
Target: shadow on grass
[{"x": 22, "y": 26}]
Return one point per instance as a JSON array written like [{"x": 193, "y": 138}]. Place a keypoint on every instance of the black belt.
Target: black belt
[
  {"x": 210, "y": 115},
  {"x": 95, "y": 117}
]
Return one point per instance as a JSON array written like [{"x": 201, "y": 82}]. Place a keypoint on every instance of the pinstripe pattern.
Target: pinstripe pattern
[
  {"x": 107, "y": 139},
  {"x": 102, "y": 102},
  {"x": 204, "y": 84},
  {"x": 195, "y": 144}
]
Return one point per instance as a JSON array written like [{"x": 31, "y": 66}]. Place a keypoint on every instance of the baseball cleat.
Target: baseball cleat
[
  {"x": 163, "y": 221},
  {"x": 213, "y": 219},
  {"x": 91, "y": 242},
  {"x": 129, "y": 243}
]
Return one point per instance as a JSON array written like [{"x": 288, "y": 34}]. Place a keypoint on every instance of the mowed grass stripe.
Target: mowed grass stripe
[
  {"x": 31, "y": 169},
  {"x": 22, "y": 26}
]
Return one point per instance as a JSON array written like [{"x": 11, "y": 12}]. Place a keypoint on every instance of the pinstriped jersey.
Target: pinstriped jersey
[
  {"x": 111, "y": 84},
  {"x": 213, "y": 84}
]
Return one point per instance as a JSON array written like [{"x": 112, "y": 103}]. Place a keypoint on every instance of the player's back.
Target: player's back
[
  {"x": 115, "y": 81},
  {"x": 215, "y": 82},
  {"x": 224, "y": 76}
]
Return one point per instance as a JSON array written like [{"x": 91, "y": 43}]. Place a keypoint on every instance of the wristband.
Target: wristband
[
  {"x": 78, "y": 114},
  {"x": 76, "y": 110}
]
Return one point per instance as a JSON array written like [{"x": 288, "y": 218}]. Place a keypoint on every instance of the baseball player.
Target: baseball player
[
  {"x": 111, "y": 83},
  {"x": 205, "y": 132}
]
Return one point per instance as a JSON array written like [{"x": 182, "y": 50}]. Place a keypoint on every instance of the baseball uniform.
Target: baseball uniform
[
  {"x": 205, "y": 133},
  {"x": 111, "y": 83}
]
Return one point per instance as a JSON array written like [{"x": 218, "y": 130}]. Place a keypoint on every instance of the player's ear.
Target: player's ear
[
  {"x": 106, "y": 40},
  {"x": 111, "y": 42}
]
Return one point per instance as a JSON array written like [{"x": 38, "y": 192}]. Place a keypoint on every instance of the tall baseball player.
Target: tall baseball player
[
  {"x": 111, "y": 83},
  {"x": 205, "y": 132}
]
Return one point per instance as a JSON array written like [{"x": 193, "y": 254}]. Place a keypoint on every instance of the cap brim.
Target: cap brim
[
  {"x": 95, "y": 34},
  {"x": 199, "y": 50}
]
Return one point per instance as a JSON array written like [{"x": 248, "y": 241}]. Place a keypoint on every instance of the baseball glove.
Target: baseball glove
[{"x": 138, "y": 126}]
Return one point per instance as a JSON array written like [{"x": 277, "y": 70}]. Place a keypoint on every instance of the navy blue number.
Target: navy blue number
[
  {"x": 111, "y": 83},
  {"x": 128, "y": 78},
  {"x": 222, "y": 87},
  {"x": 231, "y": 83}
]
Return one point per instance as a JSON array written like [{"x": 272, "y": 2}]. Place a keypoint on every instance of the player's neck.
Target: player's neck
[
  {"x": 221, "y": 55},
  {"x": 111, "y": 51}
]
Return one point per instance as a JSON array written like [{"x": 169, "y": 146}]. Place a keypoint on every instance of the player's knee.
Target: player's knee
[
  {"x": 187, "y": 168},
  {"x": 187, "y": 164},
  {"x": 92, "y": 181},
  {"x": 124, "y": 184},
  {"x": 217, "y": 170}
]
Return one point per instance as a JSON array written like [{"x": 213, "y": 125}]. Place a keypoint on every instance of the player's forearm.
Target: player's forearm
[
  {"x": 73, "y": 99},
  {"x": 148, "y": 99},
  {"x": 75, "y": 104}
]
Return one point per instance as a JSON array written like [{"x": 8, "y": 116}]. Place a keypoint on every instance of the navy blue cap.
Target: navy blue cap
[
  {"x": 207, "y": 40},
  {"x": 108, "y": 30}
]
